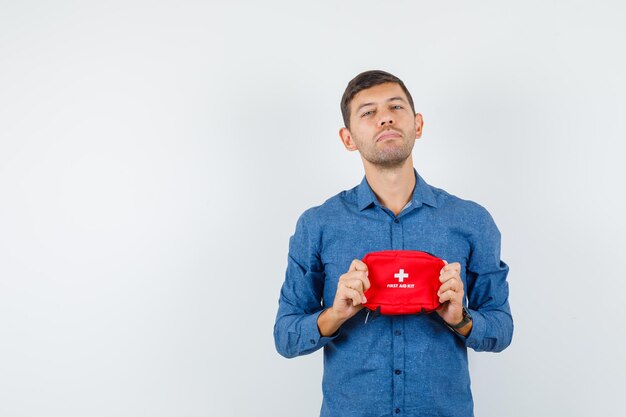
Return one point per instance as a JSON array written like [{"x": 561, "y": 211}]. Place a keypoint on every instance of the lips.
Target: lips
[{"x": 388, "y": 134}]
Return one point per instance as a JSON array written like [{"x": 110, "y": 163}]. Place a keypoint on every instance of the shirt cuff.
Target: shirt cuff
[
  {"x": 477, "y": 334},
  {"x": 311, "y": 338}
]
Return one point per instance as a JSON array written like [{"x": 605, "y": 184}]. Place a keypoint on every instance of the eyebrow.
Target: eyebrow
[{"x": 388, "y": 100}]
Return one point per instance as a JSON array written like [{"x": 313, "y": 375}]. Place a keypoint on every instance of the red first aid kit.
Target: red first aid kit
[{"x": 403, "y": 282}]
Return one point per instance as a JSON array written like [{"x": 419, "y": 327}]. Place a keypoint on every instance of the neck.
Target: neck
[{"x": 392, "y": 186}]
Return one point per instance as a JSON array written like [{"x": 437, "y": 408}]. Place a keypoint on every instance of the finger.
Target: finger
[
  {"x": 448, "y": 275},
  {"x": 354, "y": 296},
  {"x": 358, "y": 275},
  {"x": 448, "y": 286},
  {"x": 354, "y": 283},
  {"x": 363, "y": 277},
  {"x": 455, "y": 285},
  {"x": 357, "y": 265},
  {"x": 455, "y": 266},
  {"x": 451, "y": 296}
]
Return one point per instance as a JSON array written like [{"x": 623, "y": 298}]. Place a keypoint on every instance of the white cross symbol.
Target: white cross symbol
[{"x": 401, "y": 275}]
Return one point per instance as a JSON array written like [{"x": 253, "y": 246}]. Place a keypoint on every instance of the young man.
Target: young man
[{"x": 400, "y": 365}]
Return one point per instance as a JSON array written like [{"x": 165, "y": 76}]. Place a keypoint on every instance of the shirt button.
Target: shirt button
[
  {"x": 397, "y": 332},
  {"x": 312, "y": 341},
  {"x": 397, "y": 411},
  {"x": 398, "y": 372},
  {"x": 396, "y": 221}
]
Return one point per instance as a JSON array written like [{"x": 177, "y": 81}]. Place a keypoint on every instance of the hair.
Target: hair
[{"x": 364, "y": 81}]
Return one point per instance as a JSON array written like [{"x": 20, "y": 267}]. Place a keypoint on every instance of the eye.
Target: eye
[
  {"x": 367, "y": 113},
  {"x": 397, "y": 107}
]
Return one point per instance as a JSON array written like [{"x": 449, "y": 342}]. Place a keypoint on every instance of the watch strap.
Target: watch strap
[{"x": 467, "y": 317}]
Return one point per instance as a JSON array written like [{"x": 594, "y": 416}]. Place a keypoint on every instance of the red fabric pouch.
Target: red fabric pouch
[{"x": 403, "y": 282}]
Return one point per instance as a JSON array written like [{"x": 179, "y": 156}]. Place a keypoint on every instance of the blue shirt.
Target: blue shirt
[{"x": 393, "y": 365}]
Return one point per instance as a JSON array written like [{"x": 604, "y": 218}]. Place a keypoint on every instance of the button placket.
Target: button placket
[
  {"x": 398, "y": 347},
  {"x": 397, "y": 242}
]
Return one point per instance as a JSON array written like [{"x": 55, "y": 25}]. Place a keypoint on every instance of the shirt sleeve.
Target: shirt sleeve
[
  {"x": 488, "y": 290},
  {"x": 300, "y": 302}
]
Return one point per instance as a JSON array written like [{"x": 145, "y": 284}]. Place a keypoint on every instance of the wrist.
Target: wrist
[
  {"x": 466, "y": 318},
  {"x": 328, "y": 322},
  {"x": 465, "y": 330},
  {"x": 464, "y": 325}
]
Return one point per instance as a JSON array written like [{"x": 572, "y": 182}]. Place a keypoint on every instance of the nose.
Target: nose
[{"x": 385, "y": 119}]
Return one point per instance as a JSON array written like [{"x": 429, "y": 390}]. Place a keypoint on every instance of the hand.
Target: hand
[
  {"x": 451, "y": 293},
  {"x": 348, "y": 298}
]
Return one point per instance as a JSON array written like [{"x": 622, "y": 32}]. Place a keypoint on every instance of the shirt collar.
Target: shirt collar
[{"x": 422, "y": 194}]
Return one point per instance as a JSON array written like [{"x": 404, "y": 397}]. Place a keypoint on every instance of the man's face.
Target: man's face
[{"x": 383, "y": 127}]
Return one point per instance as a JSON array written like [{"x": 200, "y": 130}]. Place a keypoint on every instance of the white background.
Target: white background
[{"x": 155, "y": 155}]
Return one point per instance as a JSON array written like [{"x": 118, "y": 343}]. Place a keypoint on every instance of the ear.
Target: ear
[
  {"x": 346, "y": 139},
  {"x": 419, "y": 125}
]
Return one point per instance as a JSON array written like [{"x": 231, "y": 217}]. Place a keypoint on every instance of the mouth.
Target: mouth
[{"x": 389, "y": 134}]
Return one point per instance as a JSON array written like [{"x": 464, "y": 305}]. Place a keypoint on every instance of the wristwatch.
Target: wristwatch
[{"x": 467, "y": 317}]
